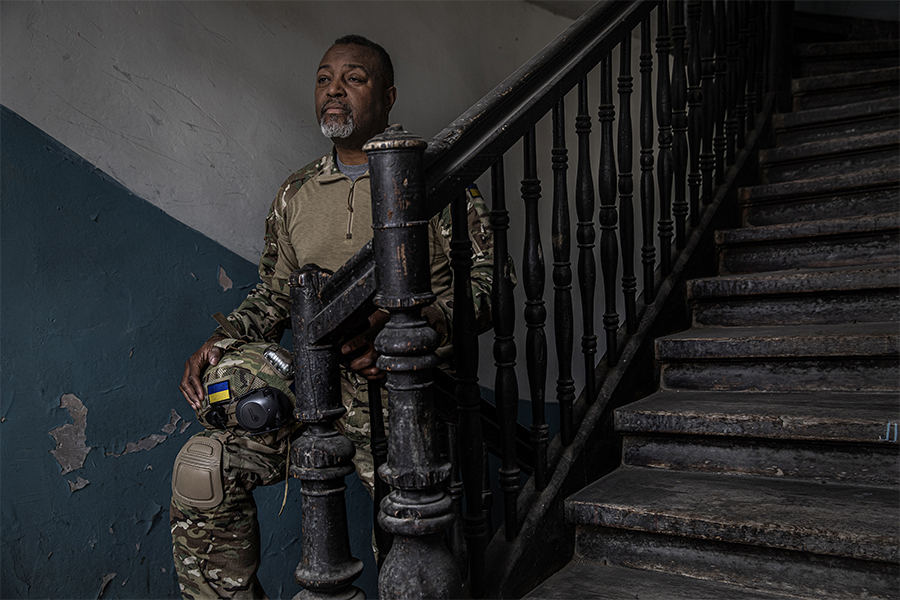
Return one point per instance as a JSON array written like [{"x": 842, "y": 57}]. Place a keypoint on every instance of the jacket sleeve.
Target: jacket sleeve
[
  {"x": 266, "y": 311},
  {"x": 440, "y": 314}
]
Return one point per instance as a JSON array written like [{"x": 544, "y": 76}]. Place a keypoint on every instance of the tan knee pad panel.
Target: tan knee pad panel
[{"x": 197, "y": 476}]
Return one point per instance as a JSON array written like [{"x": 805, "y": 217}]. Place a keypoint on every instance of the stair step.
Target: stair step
[
  {"x": 831, "y": 417},
  {"x": 797, "y": 297},
  {"x": 844, "y": 88},
  {"x": 859, "y": 240},
  {"x": 872, "y": 192},
  {"x": 838, "y": 57},
  {"x": 762, "y": 570},
  {"x": 836, "y": 121},
  {"x": 844, "y": 340},
  {"x": 822, "y": 436},
  {"x": 820, "y": 158},
  {"x": 846, "y": 357},
  {"x": 857, "y": 522},
  {"x": 588, "y": 580}
]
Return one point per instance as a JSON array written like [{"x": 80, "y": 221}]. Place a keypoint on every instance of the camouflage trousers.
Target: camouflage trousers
[{"x": 217, "y": 550}]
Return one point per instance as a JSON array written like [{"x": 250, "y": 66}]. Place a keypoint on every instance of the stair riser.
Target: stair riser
[
  {"x": 873, "y": 464},
  {"x": 834, "y": 130},
  {"x": 827, "y": 207},
  {"x": 867, "y": 306},
  {"x": 845, "y": 374},
  {"x": 837, "y": 251},
  {"x": 822, "y": 166},
  {"x": 844, "y": 96},
  {"x": 800, "y": 574}
]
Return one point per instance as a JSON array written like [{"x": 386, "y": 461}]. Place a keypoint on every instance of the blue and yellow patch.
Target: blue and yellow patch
[{"x": 218, "y": 392}]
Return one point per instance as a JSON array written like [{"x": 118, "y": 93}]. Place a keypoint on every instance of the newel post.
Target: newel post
[
  {"x": 417, "y": 511},
  {"x": 321, "y": 458}
]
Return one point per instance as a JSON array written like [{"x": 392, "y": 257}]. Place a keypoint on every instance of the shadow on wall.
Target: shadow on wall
[{"x": 103, "y": 297}]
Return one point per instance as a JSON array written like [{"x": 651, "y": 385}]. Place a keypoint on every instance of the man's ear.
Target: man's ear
[{"x": 390, "y": 96}]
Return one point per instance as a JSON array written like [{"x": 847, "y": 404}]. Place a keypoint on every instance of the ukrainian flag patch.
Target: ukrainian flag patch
[{"x": 218, "y": 392}]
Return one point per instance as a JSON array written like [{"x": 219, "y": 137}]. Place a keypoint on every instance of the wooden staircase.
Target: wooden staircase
[{"x": 767, "y": 464}]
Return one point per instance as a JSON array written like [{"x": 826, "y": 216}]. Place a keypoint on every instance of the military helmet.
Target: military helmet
[{"x": 249, "y": 392}]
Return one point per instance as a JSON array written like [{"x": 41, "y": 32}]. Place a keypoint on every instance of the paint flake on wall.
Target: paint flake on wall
[
  {"x": 169, "y": 427},
  {"x": 105, "y": 582},
  {"x": 79, "y": 483},
  {"x": 155, "y": 439},
  {"x": 147, "y": 443},
  {"x": 224, "y": 280},
  {"x": 71, "y": 450}
]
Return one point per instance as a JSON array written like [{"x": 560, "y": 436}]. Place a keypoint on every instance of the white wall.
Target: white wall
[{"x": 203, "y": 108}]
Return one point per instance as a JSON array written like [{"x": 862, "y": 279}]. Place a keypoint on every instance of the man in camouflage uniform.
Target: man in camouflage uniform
[{"x": 320, "y": 215}]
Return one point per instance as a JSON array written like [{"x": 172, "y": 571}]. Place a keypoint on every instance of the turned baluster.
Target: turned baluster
[
  {"x": 468, "y": 395},
  {"x": 506, "y": 386},
  {"x": 664, "y": 121},
  {"x": 535, "y": 313},
  {"x": 648, "y": 191},
  {"x": 562, "y": 277},
  {"x": 679, "y": 124},
  {"x": 609, "y": 246},
  {"x": 695, "y": 116},
  {"x": 707, "y": 89},
  {"x": 626, "y": 184},
  {"x": 587, "y": 270}
]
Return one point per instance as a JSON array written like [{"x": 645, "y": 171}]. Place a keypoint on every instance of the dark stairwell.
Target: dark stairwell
[{"x": 766, "y": 464}]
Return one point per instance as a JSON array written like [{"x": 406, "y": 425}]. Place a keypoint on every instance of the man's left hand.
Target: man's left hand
[{"x": 364, "y": 364}]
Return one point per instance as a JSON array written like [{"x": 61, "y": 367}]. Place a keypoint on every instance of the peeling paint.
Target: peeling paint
[
  {"x": 174, "y": 418},
  {"x": 224, "y": 280},
  {"x": 155, "y": 439},
  {"x": 105, "y": 582},
  {"x": 79, "y": 483},
  {"x": 147, "y": 443},
  {"x": 71, "y": 450}
]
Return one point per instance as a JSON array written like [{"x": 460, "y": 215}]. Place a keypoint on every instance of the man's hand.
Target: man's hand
[
  {"x": 361, "y": 349},
  {"x": 193, "y": 368}
]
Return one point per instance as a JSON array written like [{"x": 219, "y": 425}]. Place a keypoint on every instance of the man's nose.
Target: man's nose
[{"x": 335, "y": 88}]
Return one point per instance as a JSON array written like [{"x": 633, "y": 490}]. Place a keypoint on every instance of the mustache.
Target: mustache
[{"x": 332, "y": 104}]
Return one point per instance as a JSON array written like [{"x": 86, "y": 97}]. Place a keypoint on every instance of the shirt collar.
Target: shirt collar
[{"x": 330, "y": 171}]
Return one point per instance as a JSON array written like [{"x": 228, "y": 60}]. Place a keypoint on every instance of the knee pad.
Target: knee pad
[{"x": 197, "y": 476}]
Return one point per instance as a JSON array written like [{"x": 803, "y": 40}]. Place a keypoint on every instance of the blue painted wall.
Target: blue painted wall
[{"x": 103, "y": 296}]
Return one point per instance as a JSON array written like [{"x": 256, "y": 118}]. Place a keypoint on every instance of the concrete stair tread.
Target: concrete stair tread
[
  {"x": 858, "y": 181},
  {"x": 829, "y": 519},
  {"x": 583, "y": 579},
  {"x": 866, "y": 142},
  {"x": 795, "y": 341},
  {"x": 854, "y": 224},
  {"x": 843, "y": 80},
  {"x": 792, "y": 281},
  {"x": 822, "y": 416},
  {"x": 822, "y": 116}
]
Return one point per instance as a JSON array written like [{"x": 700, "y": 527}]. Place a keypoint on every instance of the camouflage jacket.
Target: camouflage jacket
[{"x": 265, "y": 313}]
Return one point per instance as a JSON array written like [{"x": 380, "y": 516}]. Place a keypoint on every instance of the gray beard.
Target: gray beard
[{"x": 334, "y": 129}]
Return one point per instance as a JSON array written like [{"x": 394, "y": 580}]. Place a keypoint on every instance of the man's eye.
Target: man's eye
[{"x": 322, "y": 80}]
